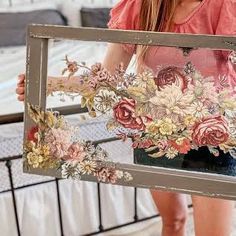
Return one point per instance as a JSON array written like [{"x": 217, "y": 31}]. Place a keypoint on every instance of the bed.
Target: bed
[{"x": 36, "y": 205}]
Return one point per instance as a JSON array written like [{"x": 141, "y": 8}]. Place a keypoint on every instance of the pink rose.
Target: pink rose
[
  {"x": 210, "y": 131},
  {"x": 124, "y": 114},
  {"x": 76, "y": 152},
  {"x": 171, "y": 75}
]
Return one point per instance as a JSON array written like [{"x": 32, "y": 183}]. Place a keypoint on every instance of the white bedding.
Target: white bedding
[{"x": 37, "y": 205}]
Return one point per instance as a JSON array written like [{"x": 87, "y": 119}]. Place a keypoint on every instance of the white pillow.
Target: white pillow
[
  {"x": 71, "y": 8},
  {"x": 26, "y": 7}
]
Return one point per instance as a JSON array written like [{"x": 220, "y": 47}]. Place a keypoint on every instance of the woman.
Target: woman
[{"x": 212, "y": 217}]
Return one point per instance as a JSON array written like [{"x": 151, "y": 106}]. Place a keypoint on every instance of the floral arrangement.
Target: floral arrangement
[
  {"x": 167, "y": 114},
  {"x": 49, "y": 145}
]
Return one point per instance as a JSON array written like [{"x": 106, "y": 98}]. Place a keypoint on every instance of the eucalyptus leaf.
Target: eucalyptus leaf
[
  {"x": 151, "y": 149},
  {"x": 157, "y": 155}
]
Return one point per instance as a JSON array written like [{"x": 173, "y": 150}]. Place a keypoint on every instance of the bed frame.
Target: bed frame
[{"x": 13, "y": 188}]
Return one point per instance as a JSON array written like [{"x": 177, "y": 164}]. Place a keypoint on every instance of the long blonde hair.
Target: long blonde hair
[{"x": 155, "y": 15}]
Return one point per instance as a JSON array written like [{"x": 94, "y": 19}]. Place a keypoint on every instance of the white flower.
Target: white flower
[
  {"x": 70, "y": 170},
  {"x": 99, "y": 154},
  {"x": 171, "y": 102},
  {"x": 231, "y": 119},
  {"x": 128, "y": 176},
  {"x": 87, "y": 167},
  {"x": 198, "y": 109},
  {"x": 232, "y": 56},
  {"x": 105, "y": 100},
  {"x": 171, "y": 153},
  {"x": 119, "y": 174},
  {"x": 205, "y": 90},
  {"x": 142, "y": 79}
]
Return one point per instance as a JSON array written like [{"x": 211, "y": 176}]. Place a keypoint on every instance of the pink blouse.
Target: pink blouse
[{"x": 215, "y": 17}]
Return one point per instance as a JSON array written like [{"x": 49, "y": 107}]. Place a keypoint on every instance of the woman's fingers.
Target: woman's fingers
[
  {"x": 21, "y": 98},
  {"x": 20, "y": 90},
  {"x": 21, "y": 79}
]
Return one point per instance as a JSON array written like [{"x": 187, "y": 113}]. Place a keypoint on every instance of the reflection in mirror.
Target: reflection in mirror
[{"x": 168, "y": 109}]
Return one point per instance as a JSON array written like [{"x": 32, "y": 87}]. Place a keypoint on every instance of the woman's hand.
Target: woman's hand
[{"x": 20, "y": 89}]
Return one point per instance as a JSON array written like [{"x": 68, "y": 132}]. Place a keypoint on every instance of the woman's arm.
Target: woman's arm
[{"x": 114, "y": 56}]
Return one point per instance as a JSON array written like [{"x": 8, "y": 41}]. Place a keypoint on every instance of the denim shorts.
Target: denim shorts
[{"x": 195, "y": 160}]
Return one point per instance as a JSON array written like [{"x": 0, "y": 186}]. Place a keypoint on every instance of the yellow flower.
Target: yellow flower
[
  {"x": 166, "y": 126},
  {"x": 228, "y": 104},
  {"x": 152, "y": 128},
  {"x": 45, "y": 150},
  {"x": 179, "y": 141},
  {"x": 34, "y": 160},
  {"x": 189, "y": 120},
  {"x": 50, "y": 119}
]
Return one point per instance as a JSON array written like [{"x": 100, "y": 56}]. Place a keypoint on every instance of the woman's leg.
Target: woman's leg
[
  {"x": 212, "y": 217},
  {"x": 173, "y": 210}
]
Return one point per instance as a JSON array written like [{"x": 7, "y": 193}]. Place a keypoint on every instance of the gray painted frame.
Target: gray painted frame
[{"x": 212, "y": 185}]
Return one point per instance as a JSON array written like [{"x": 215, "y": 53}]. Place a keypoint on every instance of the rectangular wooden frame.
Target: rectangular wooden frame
[{"x": 213, "y": 185}]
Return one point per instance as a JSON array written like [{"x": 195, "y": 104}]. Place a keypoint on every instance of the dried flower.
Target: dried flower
[
  {"x": 171, "y": 153},
  {"x": 87, "y": 167},
  {"x": 70, "y": 170},
  {"x": 171, "y": 102},
  {"x": 198, "y": 109},
  {"x": 58, "y": 141},
  {"x": 105, "y": 100},
  {"x": 128, "y": 176},
  {"x": 34, "y": 159},
  {"x": 76, "y": 152},
  {"x": 108, "y": 175}
]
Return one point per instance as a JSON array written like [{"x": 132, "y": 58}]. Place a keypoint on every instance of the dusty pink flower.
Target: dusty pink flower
[
  {"x": 103, "y": 75},
  {"x": 124, "y": 114},
  {"x": 58, "y": 141},
  {"x": 147, "y": 143},
  {"x": 162, "y": 145},
  {"x": 171, "y": 75},
  {"x": 210, "y": 131},
  {"x": 107, "y": 175},
  {"x": 96, "y": 67},
  {"x": 100, "y": 77},
  {"x": 76, "y": 152}
]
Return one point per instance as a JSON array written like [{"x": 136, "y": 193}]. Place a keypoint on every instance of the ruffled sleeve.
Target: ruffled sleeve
[
  {"x": 125, "y": 16},
  {"x": 226, "y": 24}
]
